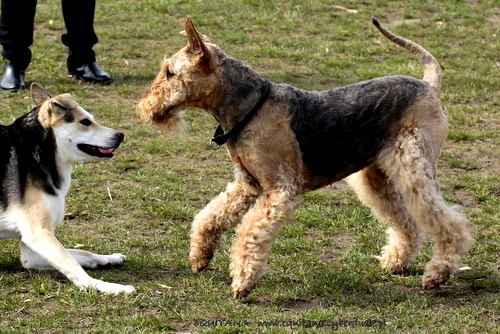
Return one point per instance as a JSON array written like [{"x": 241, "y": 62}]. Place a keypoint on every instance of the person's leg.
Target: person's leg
[
  {"x": 16, "y": 36},
  {"x": 80, "y": 36},
  {"x": 80, "y": 39}
]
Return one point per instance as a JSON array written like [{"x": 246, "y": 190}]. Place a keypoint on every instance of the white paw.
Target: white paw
[
  {"x": 116, "y": 258},
  {"x": 103, "y": 260},
  {"x": 113, "y": 288}
]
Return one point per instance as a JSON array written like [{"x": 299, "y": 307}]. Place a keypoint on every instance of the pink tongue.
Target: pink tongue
[{"x": 106, "y": 150}]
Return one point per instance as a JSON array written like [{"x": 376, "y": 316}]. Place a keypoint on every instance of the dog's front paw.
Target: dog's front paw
[
  {"x": 112, "y": 288},
  {"x": 434, "y": 280},
  {"x": 199, "y": 261},
  {"x": 391, "y": 264},
  {"x": 436, "y": 273},
  {"x": 242, "y": 289},
  {"x": 240, "y": 294}
]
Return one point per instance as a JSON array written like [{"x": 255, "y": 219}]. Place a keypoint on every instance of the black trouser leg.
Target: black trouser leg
[
  {"x": 80, "y": 36},
  {"x": 16, "y": 30}
]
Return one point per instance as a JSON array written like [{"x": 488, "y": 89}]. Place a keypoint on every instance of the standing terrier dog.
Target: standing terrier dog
[{"x": 386, "y": 134}]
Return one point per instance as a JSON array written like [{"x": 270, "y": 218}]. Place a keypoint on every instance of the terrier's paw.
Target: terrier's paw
[
  {"x": 198, "y": 264},
  {"x": 391, "y": 264},
  {"x": 434, "y": 280},
  {"x": 242, "y": 289},
  {"x": 242, "y": 293}
]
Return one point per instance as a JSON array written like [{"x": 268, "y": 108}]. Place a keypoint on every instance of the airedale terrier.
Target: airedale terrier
[{"x": 385, "y": 135}]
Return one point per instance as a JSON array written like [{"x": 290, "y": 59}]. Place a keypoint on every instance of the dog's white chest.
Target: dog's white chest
[{"x": 18, "y": 217}]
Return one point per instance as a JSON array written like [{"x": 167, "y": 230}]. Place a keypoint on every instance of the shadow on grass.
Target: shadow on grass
[{"x": 350, "y": 289}]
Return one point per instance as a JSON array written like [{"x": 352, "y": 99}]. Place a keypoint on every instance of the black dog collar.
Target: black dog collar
[{"x": 220, "y": 138}]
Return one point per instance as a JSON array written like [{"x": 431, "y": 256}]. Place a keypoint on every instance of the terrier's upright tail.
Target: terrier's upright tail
[{"x": 432, "y": 70}]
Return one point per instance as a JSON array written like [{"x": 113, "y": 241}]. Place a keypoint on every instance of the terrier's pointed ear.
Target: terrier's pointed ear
[
  {"x": 196, "y": 45},
  {"x": 38, "y": 94}
]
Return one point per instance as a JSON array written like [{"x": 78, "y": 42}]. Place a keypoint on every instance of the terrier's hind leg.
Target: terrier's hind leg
[
  {"x": 223, "y": 213},
  {"x": 412, "y": 168},
  {"x": 403, "y": 235}
]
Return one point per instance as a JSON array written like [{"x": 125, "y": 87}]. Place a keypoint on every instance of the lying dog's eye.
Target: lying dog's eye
[
  {"x": 169, "y": 74},
  {"x": 85, "y": 122}
]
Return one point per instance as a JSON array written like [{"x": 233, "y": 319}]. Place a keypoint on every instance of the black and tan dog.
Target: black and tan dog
[
  {"x": 386, "y": 134},
  {"x": 36, "y": 156}
]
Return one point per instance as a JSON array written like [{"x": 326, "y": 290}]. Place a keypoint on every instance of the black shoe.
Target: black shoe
[
  {"x": 13, "y": 78},
  {"x": 90, "y": 72}
]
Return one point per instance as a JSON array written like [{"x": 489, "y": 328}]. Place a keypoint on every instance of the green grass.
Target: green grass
[{"x": 321, "y": 269}]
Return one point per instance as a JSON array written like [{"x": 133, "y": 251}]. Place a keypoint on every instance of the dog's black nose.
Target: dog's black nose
[{"x": 119, "y": 136}]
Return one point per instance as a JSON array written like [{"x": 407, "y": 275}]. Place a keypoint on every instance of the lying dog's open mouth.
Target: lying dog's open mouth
[{"x": 97, "y": 151}]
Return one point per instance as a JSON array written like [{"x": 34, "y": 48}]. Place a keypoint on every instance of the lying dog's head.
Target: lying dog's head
[{"x": 78, "y": 136}]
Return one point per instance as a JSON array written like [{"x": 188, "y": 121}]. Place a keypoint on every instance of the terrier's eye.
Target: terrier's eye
[
  {"x": 169, "y": 74},
  {"x": 85, "y": 122}
]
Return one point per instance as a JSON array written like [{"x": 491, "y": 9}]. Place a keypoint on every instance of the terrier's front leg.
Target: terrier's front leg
[
  {"x": 255, "y": 236},
  {"x": 224, "y": 212}
]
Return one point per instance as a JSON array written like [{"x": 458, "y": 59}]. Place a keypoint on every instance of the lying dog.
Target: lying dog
[
  {"x": 36, "y": 156},
  {"x": 386, "y": 134}
]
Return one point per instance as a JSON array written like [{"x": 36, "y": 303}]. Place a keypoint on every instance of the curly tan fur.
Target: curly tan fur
[{"x": 151, "y": 108}]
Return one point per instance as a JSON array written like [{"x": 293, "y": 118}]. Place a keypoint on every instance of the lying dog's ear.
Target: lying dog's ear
[
  {"x": 59, "y": 108},
  {"x": 38, "y": 94},
  {"x": 196, "y": 45}
]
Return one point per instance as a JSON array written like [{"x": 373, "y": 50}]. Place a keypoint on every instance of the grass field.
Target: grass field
[{"x": 322, "y": 276}]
